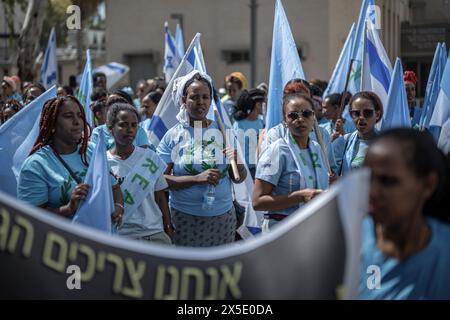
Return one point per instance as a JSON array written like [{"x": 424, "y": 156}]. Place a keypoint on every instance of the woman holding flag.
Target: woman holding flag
[
  {"x": 335, "y": 126},
  {"x": 366, "y": 110},
  {"x": 52, "y": 176},
  {"x": 291, "y": 171},
  {"x": 147, "y": 215},
  {"x": 198, "y": 176}
]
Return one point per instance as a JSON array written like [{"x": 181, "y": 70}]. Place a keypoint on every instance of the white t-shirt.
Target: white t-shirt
[{"x": 147, "y": 218}]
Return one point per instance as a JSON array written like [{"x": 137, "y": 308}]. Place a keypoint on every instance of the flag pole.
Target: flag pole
[
  {"x": 222, "y": 129},
  {"x": 347, "y": 80}
]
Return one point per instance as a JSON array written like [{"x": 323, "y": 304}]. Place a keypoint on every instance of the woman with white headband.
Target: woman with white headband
[{"x": 198, "y": 174}]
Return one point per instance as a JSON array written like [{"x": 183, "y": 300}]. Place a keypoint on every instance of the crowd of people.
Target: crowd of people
[{"x": 185, "y": 194}]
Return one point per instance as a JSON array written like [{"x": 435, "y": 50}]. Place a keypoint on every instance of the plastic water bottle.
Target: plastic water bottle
[{"x": 209, "y": 197}]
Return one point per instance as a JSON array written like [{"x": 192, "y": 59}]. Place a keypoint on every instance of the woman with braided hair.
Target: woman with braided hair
[{"x": 51, "y": 177}]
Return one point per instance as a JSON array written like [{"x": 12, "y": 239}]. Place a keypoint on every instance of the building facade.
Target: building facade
[{"x": 134, "y": 32}]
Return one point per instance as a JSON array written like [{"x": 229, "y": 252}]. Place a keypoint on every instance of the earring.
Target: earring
[{"x": 285, "y": 124}]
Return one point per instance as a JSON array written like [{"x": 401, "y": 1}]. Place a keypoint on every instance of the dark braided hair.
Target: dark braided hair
[{"x": 47, "y": 125}]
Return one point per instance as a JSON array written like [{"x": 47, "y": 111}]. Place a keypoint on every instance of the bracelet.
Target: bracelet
[
  {"x": 169, "y": 226},
  {"x": 119, "y": 205}
]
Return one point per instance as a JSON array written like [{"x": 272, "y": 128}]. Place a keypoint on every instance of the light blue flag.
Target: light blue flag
[
  {"x": 171, "y": 58},
  {"x": 442, "y": 109},
  {"x": 377, "y": 68},
  {"x": 339, "y": 76},
  {"x": 49, "y": 68},
  {"x": 433, "y": 87},
  {"x": 86, "y": 86},
  {"x": 179, "y": 40},
  {"x": 96, "y": 210},
  {"x": 285, "y": 65},
  {"x": 357, "y": 50},
  {"x": 367, "y": 10},
  {"x": 397, "y": 112},
  {"x": 17, "y": 137}
]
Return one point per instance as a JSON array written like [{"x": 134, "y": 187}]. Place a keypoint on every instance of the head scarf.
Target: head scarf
[
  {"x": 177, "y": 94},
  {"x": 410, "y": 76}
]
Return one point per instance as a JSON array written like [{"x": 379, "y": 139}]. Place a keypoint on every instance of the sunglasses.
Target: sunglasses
[
  {"x": 12, "y": 106},
  {"x": 367, "y": 113},
  {"x": 305, "y": 114}
]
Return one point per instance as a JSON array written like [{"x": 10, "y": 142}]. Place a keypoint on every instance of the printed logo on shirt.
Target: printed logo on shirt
[
  {"x": 67, "y": 186},
  {"x": 207, "y": 151}
]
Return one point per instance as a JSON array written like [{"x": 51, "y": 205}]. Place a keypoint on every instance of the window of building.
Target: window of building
[{"x": 236, "y": 56}]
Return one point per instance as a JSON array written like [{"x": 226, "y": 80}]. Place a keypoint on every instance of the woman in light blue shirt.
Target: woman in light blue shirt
[
  {"x": 199, "y": 178},
  {"x": 366, "y": 111},
  {"x": 247, "y": 124},
  {"x": 291, "y": 171},
  {"x": 52, "y": 176},
  {"x": 405, "y": 249}
]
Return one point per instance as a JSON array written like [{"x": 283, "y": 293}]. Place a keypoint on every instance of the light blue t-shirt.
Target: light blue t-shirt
[
  {"x": 137, "y": 103},
  {"x": 251, "y": 130},
  {"x": 279, "y": 131},
  {"x": 358, "y": 160},
  {"x": 425, "y": 275},
  {"x": 323, "y": 121},
  {"x": 180, "y": 141},
  {"x": 43, "y": 178},
  {"x": 15, "y": 96},
  {"x": 141, "y": 138},
  {"x": 415, "y": 115},
  {"x": 344, "y": 147},
  {"x": 277, "y": 167}
]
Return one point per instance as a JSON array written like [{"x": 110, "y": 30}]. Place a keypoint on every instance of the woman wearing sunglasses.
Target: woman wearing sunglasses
[
  {"x": 366, "y": 110},
  {"x": 291, "y": 170},
  {"x": 11, "y": 108}
]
